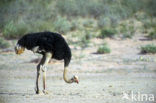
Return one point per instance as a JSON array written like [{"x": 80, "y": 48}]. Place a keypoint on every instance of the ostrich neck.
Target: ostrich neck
[{"x": 65, "y": 76}]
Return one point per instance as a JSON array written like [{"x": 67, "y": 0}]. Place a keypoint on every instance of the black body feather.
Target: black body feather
[{"x": 48, "y": 42}]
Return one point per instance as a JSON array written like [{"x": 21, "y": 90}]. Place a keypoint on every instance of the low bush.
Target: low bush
[
  {"x": 152, "y": 34},
  {"x": 150, "y": 48},
  {"x": 127, "y": 30},
  {"x": 3, "y": 43},
  {"x": 62, "y": 25},
  {"x": 85, "y": 39},
  {"x": 104, "y": 22},
  {"x": 14, "y": 30},
  {"x": 148, "y": 23},
  {"x": 88, "y": 23},
  {"x": 40, "y": 26},
  {"x": 74, "y": 25},
  {"x": 103, "y": 49},
  {"x": 107, "y": 32}
]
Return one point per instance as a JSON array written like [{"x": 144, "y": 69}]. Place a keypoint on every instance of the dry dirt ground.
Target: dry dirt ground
[{"x": 103, "y": 78}]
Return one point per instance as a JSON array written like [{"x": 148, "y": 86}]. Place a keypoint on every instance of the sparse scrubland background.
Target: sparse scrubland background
[
  {"x": 113, "y": 43},
  {"x": 91, "y": 18}
]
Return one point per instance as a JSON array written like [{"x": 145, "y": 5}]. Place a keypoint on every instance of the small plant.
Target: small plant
[
  {"x": 152, "y": 34},
  {"x": 150, "y": 48},
  {"x": 107, "y": 32},
  {"x": 62, "y": 25},
  {"x": 3, "y": 43},
  {"x": 127, "y": 31},
  {"x": 103, "y": 49},
  {"x": 14, "y": 30},
  {"x": 127, "y": 35},
  {"x": 104, "y": 22},
  {"x": 74, "y": 25},
  {"x": 88, "y": 23},
  {"x": 84, "y": 40},
  {"x": 40, "y": 26}
]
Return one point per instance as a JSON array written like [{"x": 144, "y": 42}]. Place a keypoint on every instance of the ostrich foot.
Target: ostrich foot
[
  {"x": 38, "y": 92},
  {"x": 45, "y": 92}
]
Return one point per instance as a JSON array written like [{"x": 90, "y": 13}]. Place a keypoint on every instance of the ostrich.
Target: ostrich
[{"x": 50, "y": 45}]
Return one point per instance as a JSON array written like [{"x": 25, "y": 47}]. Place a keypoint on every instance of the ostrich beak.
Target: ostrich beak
[
  {"x": 77, "y": 81},
  {"x": 75, "y": 78},
  {"x": 19, "y": 50}
]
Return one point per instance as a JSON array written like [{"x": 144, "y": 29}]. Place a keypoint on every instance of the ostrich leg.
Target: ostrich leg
[
  {"x": 46, "y": 59},
  {"x": 38, "y": 74},
  {"x": 37, "y": 79},
  {"x": 42, "y": 65}
]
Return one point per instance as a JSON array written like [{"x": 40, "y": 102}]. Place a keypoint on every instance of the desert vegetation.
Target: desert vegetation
[
  {"x": 3, "y": 43},
  {"x": 67, "y": 16},
  {"x": 113, "y": 44},
  {"x": 149, "y": 48},
  {"x": 104, "y": 48},
  {"x": 99, "y": 18}
]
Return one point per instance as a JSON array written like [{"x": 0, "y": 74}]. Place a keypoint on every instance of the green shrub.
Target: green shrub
[
  {"x": 13, "y": 30},
  {"x": 84, "y": 42},
  {"x": 96, "y": 8},
  {"x": 3, "y": 43},
  {"x": 127, "y": 30},
  {"x": 104, "y": 22},
  {"x": 88, "y": 35},
  {"x": 152, "y": 35},
  {"x": 88, "y": 23},
  {"x": 103, "y": 49},
  {"x": 40, "y": 26},
  {"x": 85, "y": 39},
  {"x": 148, "y": 23},
  {"x": 74, "y": 25},
  {"x": 150, "y": 48},
  {"x": 107, "y": 32},
  {"x": 108, "y": 20},
  {"x": 62, "y": 25},
  {"x": 127, "y": 35}
]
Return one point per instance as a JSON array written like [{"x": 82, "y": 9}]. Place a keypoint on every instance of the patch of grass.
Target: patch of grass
[
  {"x": 148, "y": 23},
  {"x": 88, "y": 23},
  {"x": 80, "y": 38},
  {"x": 127, "y": 35},
  {"x": 152, "y": 34},
  {"x": 85, "y": 39},
  {"x": 74, "y": 25},
  {"x": 150, "y": 48},
  {"x": 127, "y": 30},
  {"x": 14, "y": 30},
  {"x": 3, "y": 43},
  {"x": 103, "y": 49},
  {"x": 104, "y": 22},
  {"x": 107, "y": 32},
  {"x": 149, "y": 26},
  {"x": 62, "y": 25},
  {"x": 40, "y": 26},
  {"x": 109, "y": 20}
]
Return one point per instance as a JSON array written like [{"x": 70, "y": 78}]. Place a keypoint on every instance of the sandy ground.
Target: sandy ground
[{"x": 103, "y": 78}]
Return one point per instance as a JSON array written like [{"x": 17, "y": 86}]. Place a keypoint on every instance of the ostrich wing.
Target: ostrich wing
[{"x": 46, "y": 43}]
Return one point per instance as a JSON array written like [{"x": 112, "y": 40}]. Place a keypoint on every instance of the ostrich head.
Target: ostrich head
[
  {"x": 75, "y": 79},
  {"x": 19, "y": 49}
]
